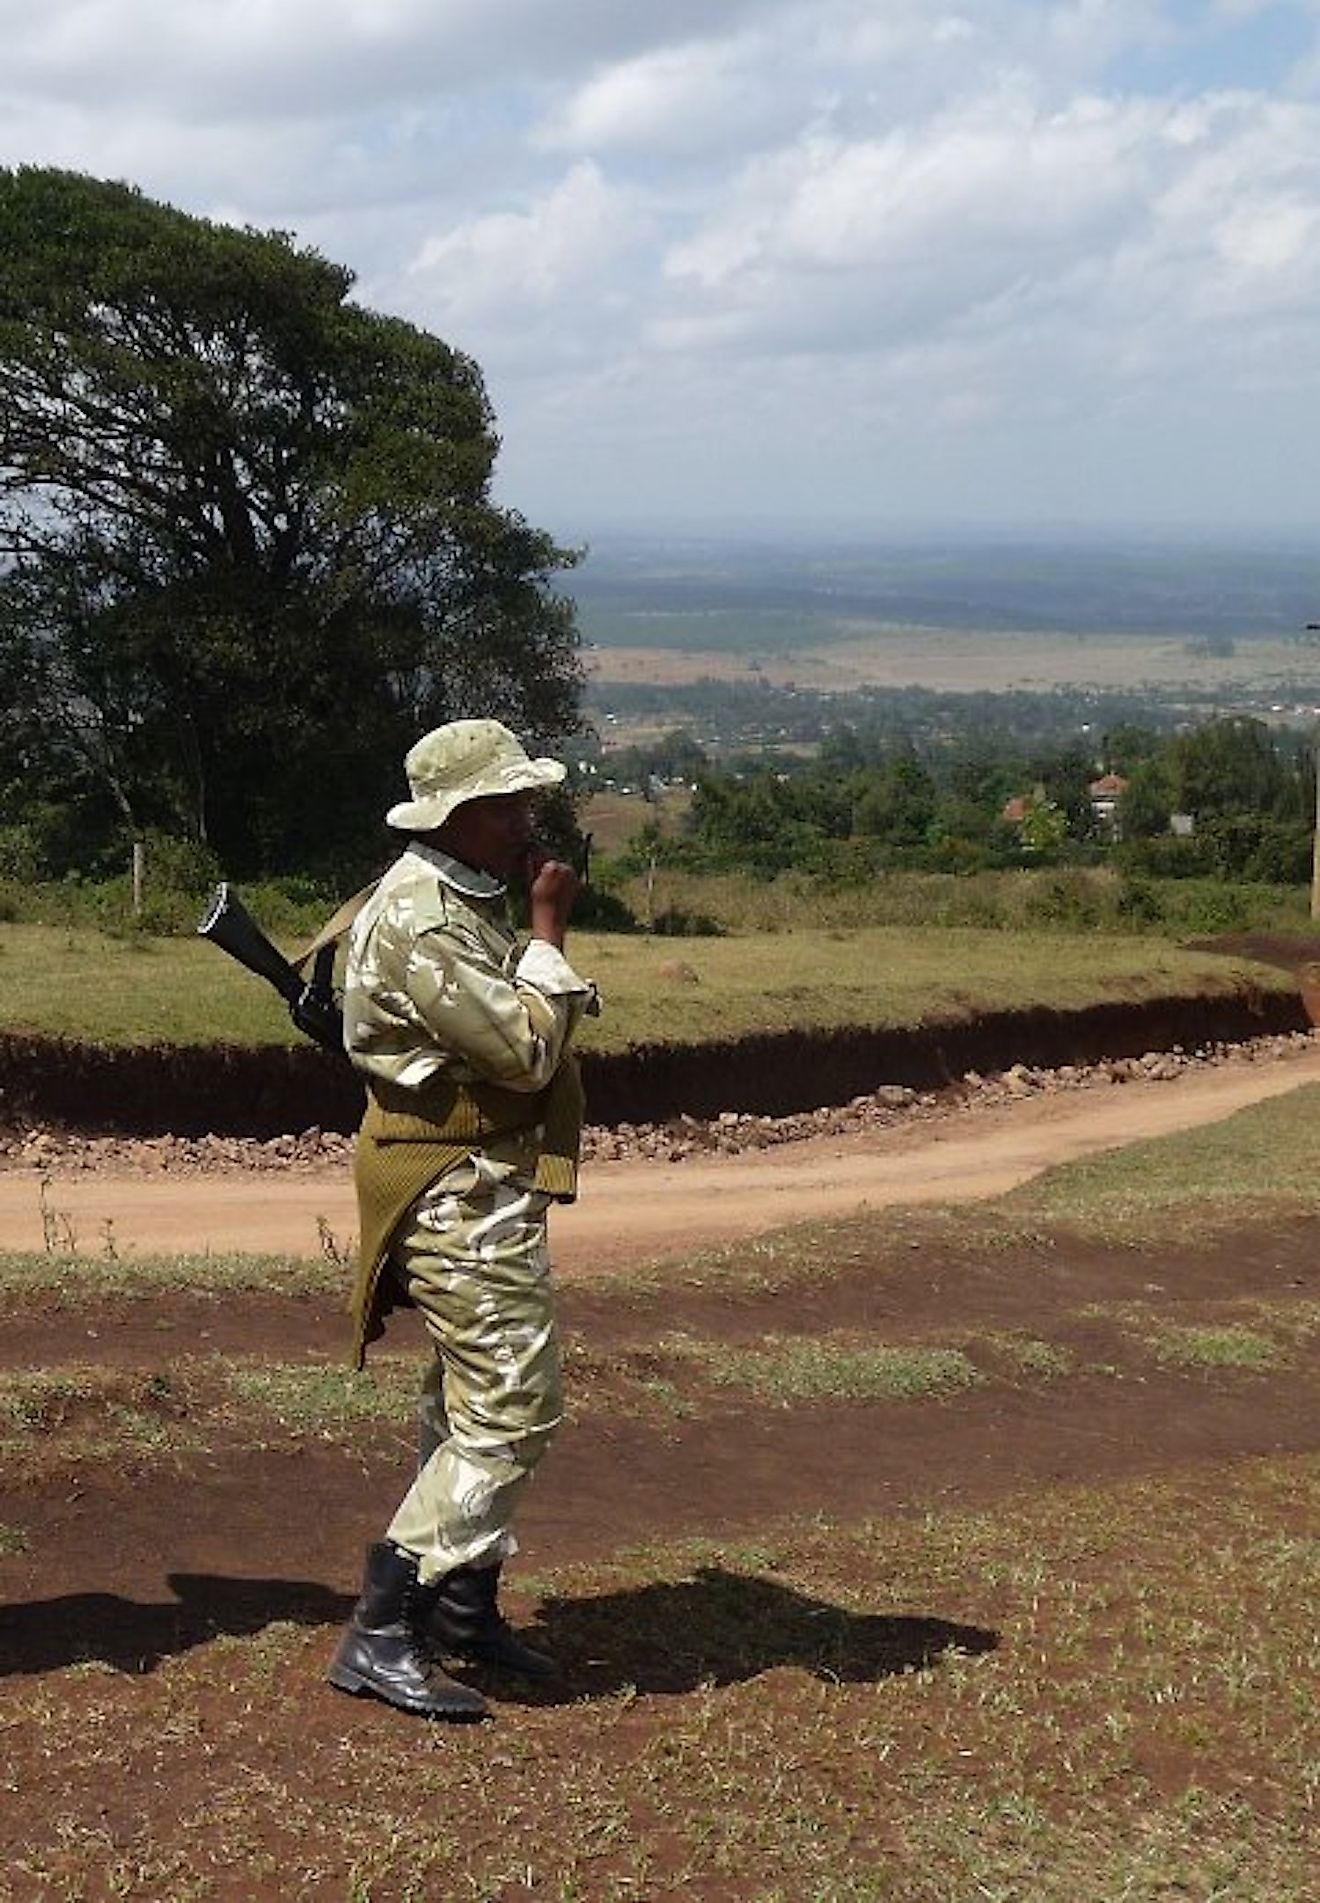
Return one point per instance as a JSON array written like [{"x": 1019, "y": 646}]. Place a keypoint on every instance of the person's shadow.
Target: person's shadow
[
  {"x": 719, "y": 1627},
  {"x": 130, "y": 1635},
  {"x": 714, "y": 1628}
]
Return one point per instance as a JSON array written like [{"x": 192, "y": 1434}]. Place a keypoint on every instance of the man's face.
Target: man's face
[{"x": 493, "y": 833}]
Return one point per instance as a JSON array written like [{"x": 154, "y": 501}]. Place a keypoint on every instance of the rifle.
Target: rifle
[{"x": 311, "y": 1001}]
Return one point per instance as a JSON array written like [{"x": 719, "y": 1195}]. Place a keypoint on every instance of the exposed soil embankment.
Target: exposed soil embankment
[{"x": 227, "y": 1090}]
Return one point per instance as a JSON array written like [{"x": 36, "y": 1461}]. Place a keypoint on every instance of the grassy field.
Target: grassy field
[
  {"x": 1067, "y": 1656},
  {"x": 129, "y": 990},
  {"x": 613, "y": 819},
  {"x": 865, "y": 653}
]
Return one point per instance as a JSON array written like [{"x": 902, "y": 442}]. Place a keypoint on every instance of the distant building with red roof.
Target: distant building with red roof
[{"x": 1104, "y": 795}]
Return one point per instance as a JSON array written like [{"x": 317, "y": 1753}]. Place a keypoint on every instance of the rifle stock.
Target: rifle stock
[{"x": 229, "y": 924}]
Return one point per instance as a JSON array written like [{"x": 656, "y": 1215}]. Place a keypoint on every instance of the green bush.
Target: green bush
[
  {"x": 675, "y": 922},
  {"x": 1071, "y": 899},
  {"x": 1258, "y": 847},
  {"x": 1058, "y": 899},
  {"x": 1164, "y": 857},
  {"x": 1139, "y": 903},
  {"x": 171, "y": 864},
  {"x": 598, "y": 909},
  {"x": 22, "y": 856},
  {"x": 1213, "y": 909},
  {"x": 287, "y": 909}
]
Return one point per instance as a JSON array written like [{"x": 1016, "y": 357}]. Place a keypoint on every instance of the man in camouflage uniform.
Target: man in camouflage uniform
[{"x": 471, "y": 1130}]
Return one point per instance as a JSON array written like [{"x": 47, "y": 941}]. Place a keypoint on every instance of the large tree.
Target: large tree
[
  {"x": 249, "y": 545},
  {"x": 1231, "y": 766}
]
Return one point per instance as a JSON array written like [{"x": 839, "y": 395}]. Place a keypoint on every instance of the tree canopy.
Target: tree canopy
[
  {"x": 862, "y": 805},
  {"x": 249, "y": 546}
]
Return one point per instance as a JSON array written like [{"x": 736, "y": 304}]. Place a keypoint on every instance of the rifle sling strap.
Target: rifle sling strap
[{"x": 331, "y": 932}]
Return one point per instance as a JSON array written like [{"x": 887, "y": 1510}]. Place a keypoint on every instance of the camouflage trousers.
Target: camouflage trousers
[{"x": 474, "y": 1261}]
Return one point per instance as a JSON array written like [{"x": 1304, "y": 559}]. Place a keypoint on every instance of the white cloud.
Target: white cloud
[
  {"x": 507, "y": 280},
  {"x": 1265, "y": 239},
  {"x": 680, "y": 233},
  {"x": 916, "y": 227},
  {"x": 307, "y": 56},
  {"x": 866, "y": 244},
  {"x": 1234, "y": 220},
  {"x": 675, "y": 99}
]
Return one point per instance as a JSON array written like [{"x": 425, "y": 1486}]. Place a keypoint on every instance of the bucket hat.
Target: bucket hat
[{"x": 465, "y": 760}]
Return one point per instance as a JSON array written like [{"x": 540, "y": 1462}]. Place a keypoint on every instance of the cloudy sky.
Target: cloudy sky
[{"x": 1017, "y": 262}]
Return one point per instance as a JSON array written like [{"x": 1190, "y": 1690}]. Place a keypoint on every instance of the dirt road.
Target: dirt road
[{"x": 638, "y": 1210}]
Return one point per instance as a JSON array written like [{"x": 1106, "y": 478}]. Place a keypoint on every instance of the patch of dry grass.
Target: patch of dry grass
[
  {"x": 49, "y": 1416},
  {"x": 61, "y": 1279},
  {"x": 78, "y": 983},
  {"x": 323, "y": 1399},
  {"x": 1255, "y": 1167},
  {"x": 83, "y": 984},
  {"x": 690, "y": 991},
  {"x": 781, "y": 1369}
]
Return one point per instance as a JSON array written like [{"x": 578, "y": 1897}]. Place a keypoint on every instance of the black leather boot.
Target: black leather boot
[
  {"x": 467, "y": 1622},
  {"x": 384, "y": 1650}
]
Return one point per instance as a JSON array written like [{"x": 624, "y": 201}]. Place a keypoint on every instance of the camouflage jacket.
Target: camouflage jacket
[{"x": 435, "y": 982}]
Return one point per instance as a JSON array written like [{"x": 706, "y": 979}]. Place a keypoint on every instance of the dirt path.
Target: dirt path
[
  {"x": 179, "y": 1543},
  {"x": 645, "y": 1209}
]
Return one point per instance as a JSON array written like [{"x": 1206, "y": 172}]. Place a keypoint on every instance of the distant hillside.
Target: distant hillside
[{"x": 739, "y": 593}]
